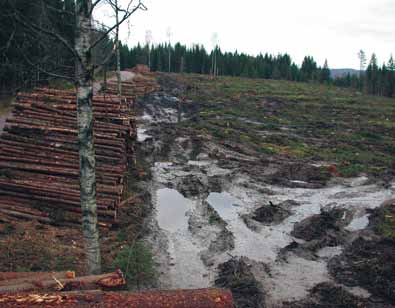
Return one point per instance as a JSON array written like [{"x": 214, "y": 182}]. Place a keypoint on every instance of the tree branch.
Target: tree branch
[
  {"x": 128, "y": 12},
  {"x": 7, "y": 46},
  {"x": 94, "y": 5},
  {"x": 99, "y": 67},
  {"x": 42, "y": 70}
]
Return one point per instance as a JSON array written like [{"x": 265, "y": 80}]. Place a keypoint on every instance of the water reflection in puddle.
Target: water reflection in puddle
[
  {"x": 172, "y": 210},
  {"x": 224, "y": 204},
  {"x": 186, "y": 268},
  {"x": 260, "y": 246},
  {"x": 199, "y": 163},
  {"x": 141, "y": 135},
  {"x": 358, "y": 223}
]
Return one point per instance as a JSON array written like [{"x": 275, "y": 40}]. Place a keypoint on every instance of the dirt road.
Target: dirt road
[{"x": 125, "y": 76}]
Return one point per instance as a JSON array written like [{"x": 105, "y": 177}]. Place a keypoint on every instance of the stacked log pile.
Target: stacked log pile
[
  {"x": 39, "y": 160},
  {"x": 140, "y": 85}
]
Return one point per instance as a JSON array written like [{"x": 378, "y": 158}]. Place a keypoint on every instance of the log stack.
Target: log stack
[
  {"x": 39, "y": 160},
  {"x": 141, "y": 85}
]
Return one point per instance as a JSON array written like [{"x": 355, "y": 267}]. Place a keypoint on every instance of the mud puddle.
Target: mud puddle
[
  {"x": 191, "y": 235},
  {"x": 186, "y": 268},
  {"x": 141, "y": 135},
  {"x": 172, "y": 210}
]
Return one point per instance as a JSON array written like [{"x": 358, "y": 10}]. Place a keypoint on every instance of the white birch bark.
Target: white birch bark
[{"x": 84, "y": 85}]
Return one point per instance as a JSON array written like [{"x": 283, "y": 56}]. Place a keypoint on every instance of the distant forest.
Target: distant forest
[
  {"x": 28, "y": 59},
  {"x": 375, "y": 80}
]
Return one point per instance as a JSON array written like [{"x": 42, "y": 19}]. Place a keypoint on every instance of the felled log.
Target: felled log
[
  {"x": 15, "y": 278},
  {"x": 26, "y": 216},
  {"x": 201, "y": 298},
  {"x": 7, "y": 277},
  {"x": 93, "y": 282}
]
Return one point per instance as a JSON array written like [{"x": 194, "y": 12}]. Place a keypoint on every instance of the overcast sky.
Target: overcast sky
[{"x": 332, "y": 29}]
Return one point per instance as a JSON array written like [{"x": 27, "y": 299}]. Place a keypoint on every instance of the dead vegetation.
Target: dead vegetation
[
  {"x": 369, "y": 263},
  {"x": 274, "y": 213},
  {"x": 369, "y": 260},
  {"x": 301, "y": 175},
  {"x": 328, "y": 295},
  {"x": 236, "y": 275},
  {"x": 328, "y": 226}
]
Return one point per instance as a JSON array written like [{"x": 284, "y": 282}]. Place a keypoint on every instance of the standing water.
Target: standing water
[{"x": 186, "y": 267}]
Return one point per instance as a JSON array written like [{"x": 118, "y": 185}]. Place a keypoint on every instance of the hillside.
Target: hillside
[
  {"x": 341, "y": 72},
  {"x": 269, "y": 188},
  {"x": 298, "y": 121}
]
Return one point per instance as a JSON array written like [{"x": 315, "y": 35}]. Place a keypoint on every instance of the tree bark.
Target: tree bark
[
  {"x": 84, "y": 84},
  {"x": 169, "y": 57}
]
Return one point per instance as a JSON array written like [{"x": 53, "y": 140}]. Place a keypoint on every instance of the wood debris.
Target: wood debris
[
  {"x": 40, "y": 282},
  {"x": 202, "y": 298}
]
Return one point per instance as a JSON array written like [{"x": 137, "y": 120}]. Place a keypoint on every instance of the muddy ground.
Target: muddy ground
[{"x": 277, "y": 232}]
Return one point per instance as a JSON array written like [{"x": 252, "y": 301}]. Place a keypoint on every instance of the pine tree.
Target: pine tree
[
  {"x": 308, "y": 69},
  {"x": 372, "y": 76},
  {"x": 325, "y": 72},
  {"x": 362, "y": 63},
  {"x": 390, "y": 78}
]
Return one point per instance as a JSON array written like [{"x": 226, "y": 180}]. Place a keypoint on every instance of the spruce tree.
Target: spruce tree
[{"x": 325, "y": 72}]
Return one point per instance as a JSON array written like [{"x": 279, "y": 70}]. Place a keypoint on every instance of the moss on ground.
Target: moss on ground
[
  {"x": 136, "y": 263},
  {"x": 386, "y": 224}
]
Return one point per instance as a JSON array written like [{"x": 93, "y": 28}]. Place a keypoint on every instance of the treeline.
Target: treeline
[
  {"x": 196, "y": 59},
  {"x": 31, "y": 58},
  {"x": 375, "y": 80}
]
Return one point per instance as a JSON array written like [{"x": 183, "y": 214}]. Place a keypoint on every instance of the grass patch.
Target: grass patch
[
  {"x": 386, "y": 227},
  {"x": 25, "y": 255},
  {"x": 136, "y": 262},
  {"x": 65, "y": 263},
  {"x": 122, "y": 235},
  {"x": 5, "y": 104},
  {"x": 214, "y": 218},
  {"x": 351, "y": 170}
]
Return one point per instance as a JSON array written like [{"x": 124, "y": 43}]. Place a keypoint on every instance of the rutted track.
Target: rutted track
[{"x": 204, "y": 213}]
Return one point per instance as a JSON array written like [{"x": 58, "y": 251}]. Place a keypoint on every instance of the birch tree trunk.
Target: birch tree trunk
[
  {"x": 119, "y": 81},
  {"x": 84, "y": 85},
  {"x": 169, "y": 56},
  {"x": 149, "y": 57}
]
